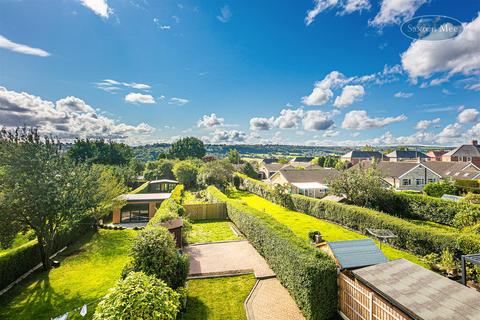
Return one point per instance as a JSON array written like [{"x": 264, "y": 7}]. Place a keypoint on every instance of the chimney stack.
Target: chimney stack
[{"x": 475, "y": 143}]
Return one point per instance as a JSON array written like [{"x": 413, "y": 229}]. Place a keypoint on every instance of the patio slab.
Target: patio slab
[{"x": 226, "y": 258}]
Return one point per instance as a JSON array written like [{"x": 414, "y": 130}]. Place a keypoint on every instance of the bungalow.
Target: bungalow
[
  {"x": 435, "y": 155},
  {"x": 311, "y": 181},
  {"x": 464, "y": 153},
  {"x": 267, "y": 169},
  {"x": 141, "y": 206},
  {"x": 406, "y": 155},
  {"x": 455, "y": 170},
  {"x": 356, "y": 156}
]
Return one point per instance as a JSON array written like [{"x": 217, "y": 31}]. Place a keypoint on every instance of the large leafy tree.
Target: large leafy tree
[
  {"x": 160, "y": 169},
  {"x": 234, "y": 156},
  {"x": 100, "y": 152},
  {"x": 189, "y": 147},
  {"x": 186, "y": 173},
  {"x": 42, "y": 189},
  {"x": 218, "y": 173}
]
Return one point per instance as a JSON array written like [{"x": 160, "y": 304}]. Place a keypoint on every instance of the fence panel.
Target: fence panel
[
  {"x": 356, "y": 302},
  {"x": 206, "y": 211}
]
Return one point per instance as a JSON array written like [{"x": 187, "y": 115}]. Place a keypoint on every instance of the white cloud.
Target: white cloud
[
  {"x": 139, "y": 98},
  {"x": 425, "y": 124},
  {"x": 458, "y": 55},
  {"x": 468, "y": 115},
  {"x": 350, "y": 94},
  {"x": 317, "y": 120},
  {"x": 474, "y": 87},
  {"x": 396, "y": 11},
  {"x": 387, "y": 75},
  {"x": 209, "y": 121},
  {"x": 451, "y": 131},
  {"x": 322, "y": 91},
  {"x": 178, "y": 101},
  {"x": 99, "y": 7},
  {"x": 359, "y": 120},
  {"x": 401, "y": 94},
  {"x": 139, "y": 86},
  {"x": 289, "y": 118},
  {"x": 161, "y": 26},
  {"x": 66, "y": 118},
  {"x": 21, "y": 48},
  {"x": 331, "y": 133},
  {"x": 225, "y": 14},
  {"x": 228, "y": 136},
  {"x": 260, "y": 124},
  {"x": 344, "y": 6},
  {"x": 113, "y": 86}
]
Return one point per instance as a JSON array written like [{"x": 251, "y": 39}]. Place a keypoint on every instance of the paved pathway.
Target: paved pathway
[
  {"x": 269, "y": 300},
  {"x": 226, "y": 258}
]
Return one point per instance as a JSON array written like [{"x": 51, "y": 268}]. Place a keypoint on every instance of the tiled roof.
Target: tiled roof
[
  {"x": 456, "y": 170},
  {"x": 363, "y": 154},
  {"x": 387, "y": 168},
  {"x": 466, "y": 150},
  {"x": 273, "y": 167},
  {"x": 302, "y": 159},
  {"x": 321, "y": 175},
  {"x": 421, "y": 293},
  {"x": 406, "y": 154},
  {"x": 269, "y": 160}
]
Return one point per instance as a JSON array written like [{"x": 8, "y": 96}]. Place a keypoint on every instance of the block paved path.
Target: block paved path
[
  {"x": 228, "y": 257},
  {"x": 269, "y": 300}
]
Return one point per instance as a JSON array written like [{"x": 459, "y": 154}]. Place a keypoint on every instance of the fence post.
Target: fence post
[{"x": 370, "y": 311}]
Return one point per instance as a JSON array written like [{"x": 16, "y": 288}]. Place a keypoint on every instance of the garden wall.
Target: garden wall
[{"x": 307, "y": 273}]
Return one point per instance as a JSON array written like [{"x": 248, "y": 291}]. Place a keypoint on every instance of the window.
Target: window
[
  {"x": 407, "y": 182},
  {"x": 135, "y": 213},
  {"x": 432, "y": 180},
  {"x": 419, "y": 182}
]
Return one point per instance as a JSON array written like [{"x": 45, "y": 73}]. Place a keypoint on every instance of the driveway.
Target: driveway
[{"x": 226, "y": 258}]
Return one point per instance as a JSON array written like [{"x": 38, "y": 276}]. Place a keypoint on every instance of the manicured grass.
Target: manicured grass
[
  {"x": 88, "y": 269},
  {"x": 301, "y": 224},
  {"x": 211, "y": 231},
  {"x": 431, "y": 224},
  {"x": 218, "y": 298}
]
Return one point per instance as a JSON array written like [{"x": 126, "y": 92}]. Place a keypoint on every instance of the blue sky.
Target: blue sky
[{"x": 320, "y": 72}]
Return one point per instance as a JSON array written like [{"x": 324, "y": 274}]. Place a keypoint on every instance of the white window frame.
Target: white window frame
[
  {"x": 419, "y": 181},
  {"x": 409, "y": 182}
]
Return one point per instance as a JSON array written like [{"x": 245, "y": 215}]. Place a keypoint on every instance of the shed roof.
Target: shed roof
[
  {"x": 144, "y": 197},
  {"x": 163, "y": 181},
  {"x": 172, "y": 224},
  {"x": 407, "y": 154},
  {"x": 356, "y": 253},
  {"x": 421, "y": 293}
]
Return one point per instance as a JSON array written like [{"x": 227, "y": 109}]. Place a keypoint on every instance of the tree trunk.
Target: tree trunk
[{"x": 44, "y": 247}]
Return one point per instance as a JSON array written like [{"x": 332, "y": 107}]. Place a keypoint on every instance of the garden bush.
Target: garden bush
[
  {"x": 139, "y": 296},
  {"x": 307, "y": 273},
  {"x": 154, "y": 253}
]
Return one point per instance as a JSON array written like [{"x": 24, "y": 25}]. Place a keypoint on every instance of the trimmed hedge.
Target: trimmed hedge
[
  {"x": 171, "y": 208},
  {"x": 140, "y": 189},
  {"x": 16, "y": 262},
  {"x": 308, "y": 273},
  {"x": 418, "y": 239}
]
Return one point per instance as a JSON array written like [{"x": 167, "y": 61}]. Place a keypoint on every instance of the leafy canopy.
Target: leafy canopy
[{"x": 189, "y": 147}]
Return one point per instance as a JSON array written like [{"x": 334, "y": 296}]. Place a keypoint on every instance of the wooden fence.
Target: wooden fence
[
  {"x": 356, "y": 302},
  {"x": 206, "y": 211}
]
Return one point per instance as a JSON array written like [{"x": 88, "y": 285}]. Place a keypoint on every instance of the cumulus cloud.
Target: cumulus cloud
[
  {"x": 401, "y": 94},
  {"x": 289, "y": 118},
  {"x": 468, "y": 115},
  {"x": 317, "y": 120},
  {"x": 139, "y": 86},
  {"x": 178, "y": 101},
  {"x": 349, "y": 95},
  {"x": 344, "y": 6},
  {"x": 359, "y": 120},
  {"x": 425, "y": 124},
  {"x": 451, "y": 131},
  {"x": 228, "y": 136},
  {"x": 396, "y": 11},
  {"x": 21, "y": 48},
  {"x": 322, "y": 92},
  {"x": 99, "y": 7},
  {"x": 66, "y": 118},
  {"x": 259, "y": 124},
  {"x": 139, "y": 98},
  {"x": 225, "y": 14},
  {"x": 458, "y": 55},
  {"x": 113, "y": 86},
  {"x": 209, "y": 121}
]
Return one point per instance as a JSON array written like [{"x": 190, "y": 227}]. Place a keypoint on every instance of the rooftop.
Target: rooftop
[
  {"x": 419, "y": 292},
  {"x": 363, "y": 154},
  {"x": 319, "y": 175},
  {"x": 407, "y": 154},
  {"x": 144, "y": 196},
  {"x": 163, "y": 181},
  {"x": 356, "y": 253}
]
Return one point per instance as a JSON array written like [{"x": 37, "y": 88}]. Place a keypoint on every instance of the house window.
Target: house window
[
  {"x": 134, "y": 213},
  {"x": 407, "y": 182},
  {"x": 432, "y": 180},
  {"x": 419, "y": 182}
]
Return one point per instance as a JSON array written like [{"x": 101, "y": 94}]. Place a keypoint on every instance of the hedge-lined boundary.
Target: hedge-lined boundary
[
  {"x": 16, "y": 262},
  {"x": 418, "y": 239},
  {"x": 141, "y": 188},
  {"x": 307, "y": 273},
  {"x": 169, "y": 209}
]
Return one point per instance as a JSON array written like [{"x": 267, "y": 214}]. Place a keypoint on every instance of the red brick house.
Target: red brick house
[{"x": 464, "y": 153}]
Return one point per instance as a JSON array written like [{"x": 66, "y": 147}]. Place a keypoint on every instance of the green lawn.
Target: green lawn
[
  {"x": 218, "y": 298},
  {"x": 211, "y": 231},
  {"x": 301, "y": 224},
  {"x": 88, "y": 269}
]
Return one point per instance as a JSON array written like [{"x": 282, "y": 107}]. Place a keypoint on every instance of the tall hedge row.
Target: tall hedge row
[
  {"x": 412, "y": 237},
  {"x": 307, "y": 273},
  {"x": 16, "y": 262},
  {"x": 171, "y": 208}
]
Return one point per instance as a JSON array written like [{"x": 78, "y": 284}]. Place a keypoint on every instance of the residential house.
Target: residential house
[
  {"x": 406, "y": 155},
  {"x": 141, "y": 206},
  {"x": 303, "y": 162},
  {"x": 356, "y": 156},
  {"x": 455, "y": 170},
  {"x": 464, "y": 153},
  {"x": 267, "y": 169},
  {"x": 312, "y": 181},
  {"x": 435, "y": 155}
]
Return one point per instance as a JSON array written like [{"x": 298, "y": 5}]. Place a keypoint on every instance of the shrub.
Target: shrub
[
  {"x": 186, "y": 173},
  {"x": 139, "y": 296},
  {"x": 438, "y": 189},
  {"x": 307, "y": 273},
  {"x": 217, "y": 173},
  {"x": 154, "y": 253}
]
